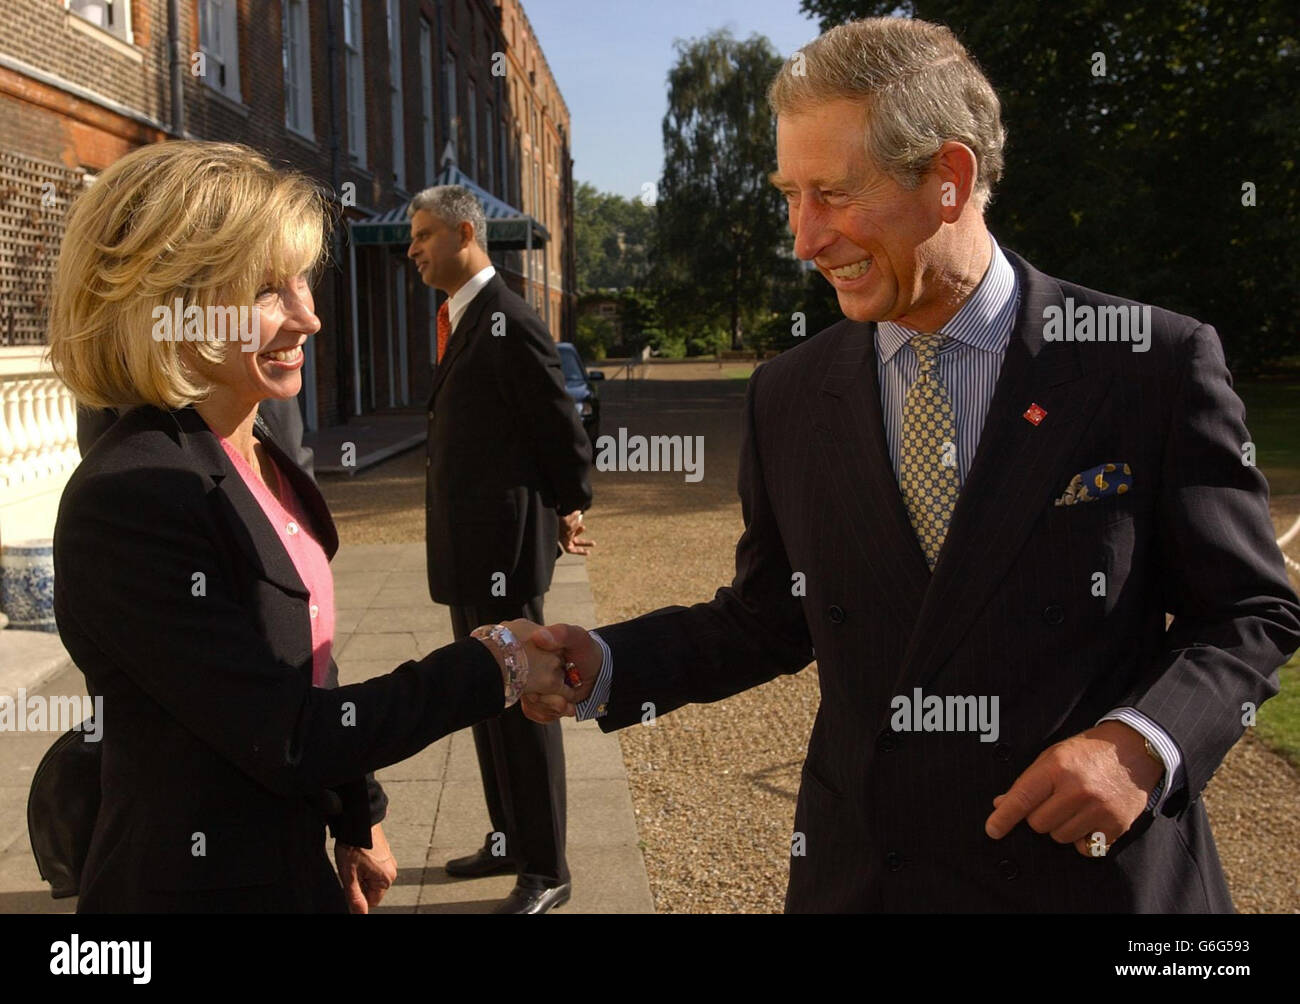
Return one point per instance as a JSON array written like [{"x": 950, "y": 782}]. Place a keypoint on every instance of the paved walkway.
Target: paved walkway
[{"x": 436, "y": 808}]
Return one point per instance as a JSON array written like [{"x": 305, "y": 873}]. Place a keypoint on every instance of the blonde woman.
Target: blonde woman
[{"x": 192, "y": 584}]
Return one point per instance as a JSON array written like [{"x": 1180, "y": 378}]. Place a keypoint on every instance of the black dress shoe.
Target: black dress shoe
[
  {"x": 531, "y": 896},
  {"x": 481, "y": 862}
]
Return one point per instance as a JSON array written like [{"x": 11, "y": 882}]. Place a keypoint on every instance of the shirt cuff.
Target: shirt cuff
[
  {"x": 595, "y": 705},
  {"x": 1162, "y": 744}
]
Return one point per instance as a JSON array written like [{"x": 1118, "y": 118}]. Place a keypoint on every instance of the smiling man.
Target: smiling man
[{"x": 1000, "y": 517}]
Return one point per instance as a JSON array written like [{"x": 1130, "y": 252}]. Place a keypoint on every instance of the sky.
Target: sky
[{"x": 611, "y": 60}]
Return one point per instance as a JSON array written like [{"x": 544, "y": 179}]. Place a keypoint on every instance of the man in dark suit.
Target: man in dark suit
[
  {"x": 978, "y": 520},
  {"x": 508, "y": 476}
]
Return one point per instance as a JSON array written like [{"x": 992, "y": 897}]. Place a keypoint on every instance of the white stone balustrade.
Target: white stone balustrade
[{"x": 38, "y": 443}]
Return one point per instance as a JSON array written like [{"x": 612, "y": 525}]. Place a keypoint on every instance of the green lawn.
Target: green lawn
[
  {"x": 1273, "y": 417},
  {"x": 1279, "y": 719}
]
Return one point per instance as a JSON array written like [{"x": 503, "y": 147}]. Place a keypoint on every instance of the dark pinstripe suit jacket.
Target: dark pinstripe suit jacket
[{"x": 895, "y": 821}]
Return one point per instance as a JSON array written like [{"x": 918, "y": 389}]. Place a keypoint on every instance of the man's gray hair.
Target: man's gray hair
[
  {"x": 454, "y": 205},
  {"x": 920, "y": 86}
]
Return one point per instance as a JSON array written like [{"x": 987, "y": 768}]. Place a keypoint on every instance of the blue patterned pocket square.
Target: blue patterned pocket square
[{"x": 1097, "y": 482}]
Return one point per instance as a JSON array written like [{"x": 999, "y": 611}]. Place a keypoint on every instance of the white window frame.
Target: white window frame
[
  {"x": 453, "y": 121},
  {"x": 489, "y": 135},
  {"x": 396, "y": 101},
  {"x": 471, "y": 111},
  {"x": 219, "y": 43},
  {"x": 296, "y": 17},
  {"x": 426, "y": 100},
  {"x": 355, "y": 80},
  {"x": 117, "y": 14}
]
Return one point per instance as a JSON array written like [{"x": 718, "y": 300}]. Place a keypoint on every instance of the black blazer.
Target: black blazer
[
  {"x": 507, "y": 452},
  {"x": 894, "y": 821},
  {"x": 221, "y": 762}
]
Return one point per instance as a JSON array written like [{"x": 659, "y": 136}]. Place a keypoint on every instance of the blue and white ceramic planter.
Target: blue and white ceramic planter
[{"x": 27, "y": 585}]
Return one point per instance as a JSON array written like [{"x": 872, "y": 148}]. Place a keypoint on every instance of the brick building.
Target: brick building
[{"x": 375, "y": 99}]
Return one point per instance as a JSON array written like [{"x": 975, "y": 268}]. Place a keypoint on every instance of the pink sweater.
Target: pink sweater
[{"x": 308, "y": 557}]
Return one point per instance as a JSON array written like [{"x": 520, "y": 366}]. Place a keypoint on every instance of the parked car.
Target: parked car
[{"x": 578, "y": 381}]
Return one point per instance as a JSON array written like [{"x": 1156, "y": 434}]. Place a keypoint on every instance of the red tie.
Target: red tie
[{"x": 444, "y": 327}]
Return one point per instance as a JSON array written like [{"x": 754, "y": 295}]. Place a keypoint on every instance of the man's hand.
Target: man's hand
[
  {"x": 1096, "y": 782},
  {"x": 366, "y": 874},
  {"x": 571, "y": 530},
  {"x": 575, "y": 645}
]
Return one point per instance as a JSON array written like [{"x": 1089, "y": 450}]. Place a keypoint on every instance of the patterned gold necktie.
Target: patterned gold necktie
[{"x": 927, "y": 474}]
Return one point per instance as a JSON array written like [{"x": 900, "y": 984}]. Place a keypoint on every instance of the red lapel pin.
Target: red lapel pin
[{"x": 1035, "y": 414}]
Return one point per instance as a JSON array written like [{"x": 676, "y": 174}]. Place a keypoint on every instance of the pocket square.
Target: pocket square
[{"x": 1097, "y": 483}]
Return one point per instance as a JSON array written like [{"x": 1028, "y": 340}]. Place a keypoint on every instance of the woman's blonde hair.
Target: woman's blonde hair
[
  {"x": 206, "y": 223},
  {"x": 920, "y": 86}
]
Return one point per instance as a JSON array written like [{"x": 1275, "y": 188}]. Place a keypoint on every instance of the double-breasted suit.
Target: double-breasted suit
[{"x": 893, "y": 820}]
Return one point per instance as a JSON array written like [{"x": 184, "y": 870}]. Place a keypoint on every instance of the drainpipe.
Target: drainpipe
[{"x": 178, "y": 65}]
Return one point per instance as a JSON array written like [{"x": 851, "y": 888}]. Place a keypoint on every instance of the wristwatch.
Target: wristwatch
[{"x": 1152, "y": 752}]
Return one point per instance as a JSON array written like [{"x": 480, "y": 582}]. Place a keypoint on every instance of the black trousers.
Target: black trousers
[{"x": 522, "y": 765}]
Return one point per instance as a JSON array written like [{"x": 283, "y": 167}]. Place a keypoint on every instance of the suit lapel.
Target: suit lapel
[
  {"x": 465, "y": 330},
  {"x": 1013, "y": 477},
  {"x": 251, "y": 529},
  {"x": 853, "y": 432}
]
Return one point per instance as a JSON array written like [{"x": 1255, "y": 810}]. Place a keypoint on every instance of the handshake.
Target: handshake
[{"x": 563, "y": 661}]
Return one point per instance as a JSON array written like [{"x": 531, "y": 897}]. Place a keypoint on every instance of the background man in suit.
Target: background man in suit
[
  {"x": 936, "y": 434},
  {"x": 508, "y": 476},
  {"x": 367, "y": 873}
]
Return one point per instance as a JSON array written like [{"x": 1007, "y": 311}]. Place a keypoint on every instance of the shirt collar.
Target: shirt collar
[
  {"x": 984, "y": 321},
  {"x": 466, "y": 293}
]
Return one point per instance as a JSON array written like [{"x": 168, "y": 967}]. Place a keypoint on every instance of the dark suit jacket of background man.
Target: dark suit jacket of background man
[
  {"x": 212, "y": 725},
  {"x": 894, "y": 821},
  {"x": 506, "y": 451}
]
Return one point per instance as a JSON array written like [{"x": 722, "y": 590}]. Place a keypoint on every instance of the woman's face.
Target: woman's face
[{"x": 269, "y": 364}]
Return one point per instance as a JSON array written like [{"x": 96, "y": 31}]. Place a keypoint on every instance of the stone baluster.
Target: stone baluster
[
  {"x": 18, "y": 407},
  {"x": 7, "y": 447}
]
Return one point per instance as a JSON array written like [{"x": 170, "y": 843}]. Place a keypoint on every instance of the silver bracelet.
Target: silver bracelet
[{"x": 513, "y": 657}]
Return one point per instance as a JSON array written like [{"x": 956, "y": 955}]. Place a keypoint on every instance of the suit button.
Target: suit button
[
  {"x": 1008, "y": 869},
  {"x": 893, "y": 861},
  {"x": 428, "y": 462},
  {"x": 837, "y": 614},
  {"x": 430, "y": 416},
  {"x": 887, "y": 741},
  {"x": 1002, "y": 752},
  {"x": 1053, "y": 615}
]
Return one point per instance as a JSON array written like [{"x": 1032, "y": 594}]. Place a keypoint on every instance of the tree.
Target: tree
[
  {"x": 721, "y": 225},
  {"x": 613, "y": 237},
  {"x": 1137, "y": 179}
]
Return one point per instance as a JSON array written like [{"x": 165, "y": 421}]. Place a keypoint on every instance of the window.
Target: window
[
  {"x": 471, "y": 112},
  {"x": 219, "y": 43},
  {"x": 297, "y": 67},
  {"x": 426, "y": 100},
  {"x": 453, "y": 120},
  {"x": 353, "y": 70},
  {"x": 397, "y": 107},
  {"x": 114, "y": 16}
]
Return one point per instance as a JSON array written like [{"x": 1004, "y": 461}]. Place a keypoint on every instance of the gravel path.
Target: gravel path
[{"x": 714, "y": 785}]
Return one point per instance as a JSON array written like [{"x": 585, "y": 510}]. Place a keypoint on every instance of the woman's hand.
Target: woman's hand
[
  {"x": 544, "y": 672},
  {"x": 545, "y": 669}
]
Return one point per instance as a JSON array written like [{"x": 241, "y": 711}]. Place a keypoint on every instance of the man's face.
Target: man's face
[
  {"x": 438, "y": 250},
  {"x": 872, "y": 239}
]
